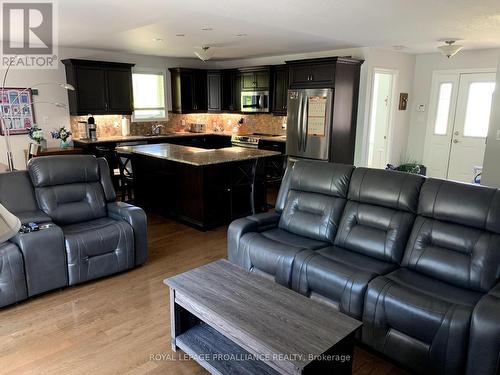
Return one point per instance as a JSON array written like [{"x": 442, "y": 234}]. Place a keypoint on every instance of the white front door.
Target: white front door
[
  {"x": 471, "y": 125},
  {"x": 458, "y": 124}
]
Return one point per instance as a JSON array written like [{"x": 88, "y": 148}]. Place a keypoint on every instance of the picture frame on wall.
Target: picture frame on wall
[{"x": 18, "y": 114}]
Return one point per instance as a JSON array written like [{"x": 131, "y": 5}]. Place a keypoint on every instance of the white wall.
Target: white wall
[
  {"x": 49, "y": 117},
  {"x": 491, "y": 165},
  {"x": 425, "y": 65}
]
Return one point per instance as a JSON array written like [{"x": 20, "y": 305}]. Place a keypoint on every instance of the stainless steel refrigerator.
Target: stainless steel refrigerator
[{"x": 309, "y": 123}]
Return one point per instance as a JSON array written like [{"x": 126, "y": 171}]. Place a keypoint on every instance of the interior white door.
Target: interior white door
[
  {"x": 443, "y": 102},
  {"x": 379, "y": 120},
  {"x": 471, "y": 125}
]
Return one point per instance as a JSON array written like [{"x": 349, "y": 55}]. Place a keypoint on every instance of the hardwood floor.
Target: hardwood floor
[{"x": 120, "y": 324}]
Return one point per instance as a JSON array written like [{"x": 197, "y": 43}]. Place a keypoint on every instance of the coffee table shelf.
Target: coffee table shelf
[{"x": 207, "y": 346}]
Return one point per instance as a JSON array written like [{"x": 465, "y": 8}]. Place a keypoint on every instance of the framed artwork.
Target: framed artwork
[{"x": 17, "y": 112}]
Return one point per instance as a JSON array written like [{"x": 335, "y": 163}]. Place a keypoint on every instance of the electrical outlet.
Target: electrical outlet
[{"x": 420, "y": 107}]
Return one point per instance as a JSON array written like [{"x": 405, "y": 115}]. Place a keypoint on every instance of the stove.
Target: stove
[{"x": 248, "y": 141}]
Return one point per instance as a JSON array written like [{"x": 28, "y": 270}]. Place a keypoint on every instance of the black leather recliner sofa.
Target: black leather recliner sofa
[
  {"x": 90, "y": 235},
  {"x": 417, "y": 260}
]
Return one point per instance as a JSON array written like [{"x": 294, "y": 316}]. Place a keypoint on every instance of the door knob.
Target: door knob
[
  {"x": 457, "y": 132},
  {"x": 455, "y": 141}
]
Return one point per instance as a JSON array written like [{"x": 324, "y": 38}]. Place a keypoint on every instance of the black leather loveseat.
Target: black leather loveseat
[
  {"x": 90, "y": 235},
  {"x": 416, "y": 259}
]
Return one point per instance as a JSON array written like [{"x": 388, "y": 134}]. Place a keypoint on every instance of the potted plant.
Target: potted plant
[
  {"x": 36, "y": 134},
  {"x": 63, "y": 135}
]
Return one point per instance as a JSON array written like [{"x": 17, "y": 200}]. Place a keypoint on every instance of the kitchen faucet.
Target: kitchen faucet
[{"x": 156, "y": 129}]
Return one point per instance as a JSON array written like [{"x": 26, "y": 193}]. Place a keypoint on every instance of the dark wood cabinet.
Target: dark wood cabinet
[
  {"x": 255, "y": 78},
  {"x": 312, "y": 73},
  {"x": 279, "y": 76},
  {"x": 214, "y": 91},
  {"x": 231, "y": 90},
  {"x": 189, "y": 90},
  {"x": 100, "y": 87}
]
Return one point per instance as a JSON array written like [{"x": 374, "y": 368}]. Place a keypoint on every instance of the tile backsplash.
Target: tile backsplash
[{"x": 110, "y": 125}]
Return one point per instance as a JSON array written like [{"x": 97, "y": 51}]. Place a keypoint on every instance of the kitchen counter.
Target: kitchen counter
[
  {"x": 150, "y": 138},
  {"x": 196, "y": 156}
]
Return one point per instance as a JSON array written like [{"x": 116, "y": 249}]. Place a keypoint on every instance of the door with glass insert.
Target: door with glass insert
[
  {"x": 458, "y": 124},
  {"x": 472, "y": 120}
]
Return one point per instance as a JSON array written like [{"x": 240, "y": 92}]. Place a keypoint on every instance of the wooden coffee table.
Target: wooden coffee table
[{"x": 232, "y": 321}]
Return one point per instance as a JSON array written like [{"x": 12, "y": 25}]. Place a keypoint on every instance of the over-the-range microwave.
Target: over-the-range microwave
[{"x": 255, "y": 101}]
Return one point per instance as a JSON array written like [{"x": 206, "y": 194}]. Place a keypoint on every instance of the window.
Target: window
[
  {"x": 477, "y": 118},
  {"x": 443, "y": 109},
  {"x": 149, "y": 96}
]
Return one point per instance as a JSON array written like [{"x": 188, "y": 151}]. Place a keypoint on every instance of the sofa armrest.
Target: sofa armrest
[
  {"x": 484, "y": 342},
  {"x": 236, "y": 230},
  {"x": 136, "y": 217},
  {"x": 44, "y": 255},
  {"x": 37, "y": 216}
]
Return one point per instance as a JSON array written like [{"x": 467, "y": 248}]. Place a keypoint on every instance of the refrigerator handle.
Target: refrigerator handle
[
  {"x": 306, "y": 122},
  {"x": 299, "y": 125}
]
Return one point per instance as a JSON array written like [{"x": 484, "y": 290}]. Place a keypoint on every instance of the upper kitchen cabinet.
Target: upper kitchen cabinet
[
  {"x": 101, "y": 87},
  {"x": 315, "y": 73},
  {"x": 189, "y": 90},
  {"x": 231, "y": 90},
  {"x": 255, "y": 79},
  {"x": 214, "y": 91},
  {"x": 279, "y": 75}
]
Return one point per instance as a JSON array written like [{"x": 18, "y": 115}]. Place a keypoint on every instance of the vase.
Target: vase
[{"x": 65, "y": 143}]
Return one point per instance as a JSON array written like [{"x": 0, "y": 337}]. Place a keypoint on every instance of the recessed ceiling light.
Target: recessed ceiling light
[
  {"x": 180, "y": 34},
  {"x": 399, "y": 47},
  {"x": 157, "y": 39},
  {"x": 206, "y": 29},
  {"x": 241, "y": 35}
]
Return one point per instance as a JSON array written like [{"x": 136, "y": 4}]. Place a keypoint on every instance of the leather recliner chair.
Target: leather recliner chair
[
  {"x": 307, "y": 215},
  {"x": 370, "y": 241},
  {"x": 420, "y": 314},
  {"x": 101, "y": 236}
]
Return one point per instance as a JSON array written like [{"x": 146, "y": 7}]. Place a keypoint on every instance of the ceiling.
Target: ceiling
[{"x": 275, "y": 27}]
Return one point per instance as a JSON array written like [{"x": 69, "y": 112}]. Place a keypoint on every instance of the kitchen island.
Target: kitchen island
[{"x": 202, "y": 187}]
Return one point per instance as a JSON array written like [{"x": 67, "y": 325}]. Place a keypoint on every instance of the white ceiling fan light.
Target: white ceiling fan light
[
  {"x": 204, "y": 54},
  {"x": 450, "y": 49}
]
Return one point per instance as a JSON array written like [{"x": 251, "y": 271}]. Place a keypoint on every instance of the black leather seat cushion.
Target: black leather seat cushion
[
  {"x": 419, "y": 321},
  {"x": 97, "y": 248},
  {"x": 273, "y": 251},
  {"x": 340, "y": 275},
  {"x": 370, "y": 240},
  {"x": 12, "y": 277}
]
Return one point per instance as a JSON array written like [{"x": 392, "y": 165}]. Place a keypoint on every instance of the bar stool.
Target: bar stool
[{"x": 126, "y": 174}]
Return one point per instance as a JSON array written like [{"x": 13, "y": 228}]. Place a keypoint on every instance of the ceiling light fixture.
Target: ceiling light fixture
[
  {"x": 240, "y": 35},
  {"x": 399, "y": 47},
  {"x": 180, "y": 34},
  {"x": 204, "y": 54},
  {"x": 206, "y": 29},
  {"x": 450, "y": 49}
]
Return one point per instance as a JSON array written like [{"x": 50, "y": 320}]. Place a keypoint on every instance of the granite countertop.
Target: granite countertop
[
  {"x": 197, "y": 156},
  {"x": 131, "y": 138}
]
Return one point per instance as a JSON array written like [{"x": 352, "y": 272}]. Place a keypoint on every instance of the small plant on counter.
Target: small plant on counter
[{"x": 62, "y": 134}]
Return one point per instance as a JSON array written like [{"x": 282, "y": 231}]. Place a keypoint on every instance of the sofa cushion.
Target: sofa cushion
[
  {"x": 418, "y": 321},
  {"x": 339, "y": 275},
  {"x": 12, "y": 277},
  {"x": 273, "y": 251},
  {"x": 391, "y": 189},
  {"x": 316, "y": 199},
  {"x": 66, "y": 193},
  {"x": 455, "y": 238},
  {"x": 98, "y": 248},
  {"x": 16, "y": 192}
]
